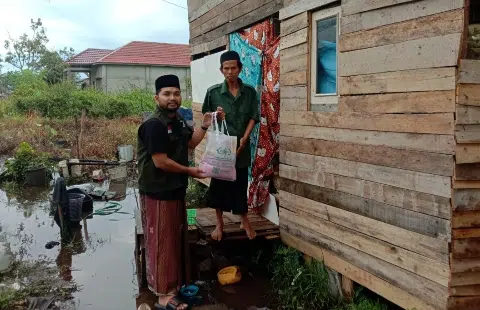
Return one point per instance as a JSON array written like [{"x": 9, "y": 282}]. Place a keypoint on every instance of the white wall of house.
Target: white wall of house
[
  {"x": 205, "y": 73},
  {"x": 114, "y": 78}
]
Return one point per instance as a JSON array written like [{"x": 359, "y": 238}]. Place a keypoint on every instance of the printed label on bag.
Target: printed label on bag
[{"x": 224, "y": 152}]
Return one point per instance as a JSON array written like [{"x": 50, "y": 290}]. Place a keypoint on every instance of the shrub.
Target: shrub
[
  {"x": 26, "y": 158},
  {"x": 7, "y": 107},
  {"x": 63, "y": 100},
  {"x": 139, "y": 100}
]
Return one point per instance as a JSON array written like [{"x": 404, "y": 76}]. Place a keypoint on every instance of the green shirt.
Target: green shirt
[{"x": 238, "y": 110}]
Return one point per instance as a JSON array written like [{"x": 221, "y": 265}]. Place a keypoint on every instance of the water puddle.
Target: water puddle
[{"x": 100, "y": 260}]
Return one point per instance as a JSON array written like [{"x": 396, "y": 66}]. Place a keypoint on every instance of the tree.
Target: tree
[
  {"x": 31, "y": 53},
  {"x": 25, "y": 52},
  {"x": 53, "y": 64}
]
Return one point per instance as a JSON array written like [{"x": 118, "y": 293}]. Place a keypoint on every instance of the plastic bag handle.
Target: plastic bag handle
[
  {"x": 223, "y": 127},
  {"x": 224, "y": 123},
  {"x": 215, "y": 123}
]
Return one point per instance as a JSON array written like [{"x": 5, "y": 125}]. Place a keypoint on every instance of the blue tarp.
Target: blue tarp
[
  {"x": 186, "y": 113},
  {"x": 327, "y": 67}
]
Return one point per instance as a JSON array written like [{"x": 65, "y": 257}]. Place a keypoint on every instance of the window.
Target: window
[{"x": 324, "y": 59}]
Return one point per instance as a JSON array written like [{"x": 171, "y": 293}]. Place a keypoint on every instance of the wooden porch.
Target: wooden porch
[{"x": 206, "y": 221}]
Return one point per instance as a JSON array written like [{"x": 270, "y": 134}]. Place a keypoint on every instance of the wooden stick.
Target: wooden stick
[
  {"x": 78, "y": 143},
  {"x": 82, "y": 121}
]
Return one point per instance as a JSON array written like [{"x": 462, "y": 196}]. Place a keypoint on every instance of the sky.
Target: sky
[{"x": 82, "y": 24}]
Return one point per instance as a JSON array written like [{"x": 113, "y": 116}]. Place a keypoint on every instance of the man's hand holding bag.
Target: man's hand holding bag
[{"x": 220, "y": 154}]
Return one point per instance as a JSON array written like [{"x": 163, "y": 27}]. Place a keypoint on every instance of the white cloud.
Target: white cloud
[{"x": 96, "y": 23}]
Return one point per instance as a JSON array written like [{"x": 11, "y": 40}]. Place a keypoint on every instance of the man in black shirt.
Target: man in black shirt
[{"x": 163, "y": 143}]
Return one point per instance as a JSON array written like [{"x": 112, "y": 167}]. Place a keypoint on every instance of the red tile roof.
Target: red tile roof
[
  {"x": 88, "y": 56},
  {"x": 150, "y": 53}
]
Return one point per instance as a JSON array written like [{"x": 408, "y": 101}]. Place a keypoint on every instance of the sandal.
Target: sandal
[{"x": 172, "y": 304}]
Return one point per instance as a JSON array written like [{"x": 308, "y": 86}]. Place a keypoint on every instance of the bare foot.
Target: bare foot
[
  {"x": 217, "y": 234},
  {"x": 164, "y": 300},
  {"x": 251, "y": 233}
]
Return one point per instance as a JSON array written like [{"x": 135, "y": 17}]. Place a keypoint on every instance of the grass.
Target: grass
[{"x": 300, "y": 285}]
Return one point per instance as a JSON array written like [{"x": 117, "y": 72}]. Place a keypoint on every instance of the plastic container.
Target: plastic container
[
  {"x": 76, "y": 169},
  {"x": 75, "y": 205},
  {"x": 192, "y": 216},
  {"x": 125, "y": 152},
  {"x": 36, "y": 177},
  {"x": 64, "y": 168},
  {"x": 189, "y": 291},
  {"x": 87, "y": 203},
  {"x": 229, "y": 275}
]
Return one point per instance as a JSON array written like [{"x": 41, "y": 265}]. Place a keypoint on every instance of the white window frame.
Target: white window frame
[{"x": 316, "y": 99}]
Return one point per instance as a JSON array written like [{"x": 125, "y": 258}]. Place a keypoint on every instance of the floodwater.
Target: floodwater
[{"x": 101, "y": 263}]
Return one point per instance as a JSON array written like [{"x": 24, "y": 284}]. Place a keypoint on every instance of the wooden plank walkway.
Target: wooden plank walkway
[{"x": 206, "y": 220}]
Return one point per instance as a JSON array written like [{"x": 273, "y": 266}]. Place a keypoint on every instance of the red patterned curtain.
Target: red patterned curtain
[{"x": 262, "y": 36}]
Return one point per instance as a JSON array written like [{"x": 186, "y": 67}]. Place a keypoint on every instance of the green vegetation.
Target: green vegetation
[
  {"x": 63, "y": 100},
  {"x": 300, "y": 285},
  {"x": 196, "y": 194},
  {"x": 26, "y": 158}
]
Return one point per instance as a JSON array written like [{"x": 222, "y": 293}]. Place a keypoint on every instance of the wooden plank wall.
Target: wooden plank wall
[
  {"x": 212, "y": 20},
  {"x": 369, "y": 188},
  {"x": 465, "y": 257}
]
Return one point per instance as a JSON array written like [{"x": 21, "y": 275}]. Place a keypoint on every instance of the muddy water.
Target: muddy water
[{"x": 102, "y": 263}]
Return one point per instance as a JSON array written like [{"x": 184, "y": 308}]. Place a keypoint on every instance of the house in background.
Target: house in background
[
  {"x": 82, "y": 63},
  {"x": 136, "y": 64}
]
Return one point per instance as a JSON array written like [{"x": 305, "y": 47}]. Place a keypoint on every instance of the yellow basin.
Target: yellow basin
[{"x": 229, "y": 275}]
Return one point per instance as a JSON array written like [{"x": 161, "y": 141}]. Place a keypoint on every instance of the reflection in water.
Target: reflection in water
[
  {"x": 67, "y": 250},
  {"x": 99, "y": 259}
]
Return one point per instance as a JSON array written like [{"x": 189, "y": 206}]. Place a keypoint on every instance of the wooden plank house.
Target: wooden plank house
[{"x": 379, "y": 171}]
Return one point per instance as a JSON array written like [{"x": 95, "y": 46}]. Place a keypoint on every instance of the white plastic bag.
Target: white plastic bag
[{"x": 220, "y": 154}]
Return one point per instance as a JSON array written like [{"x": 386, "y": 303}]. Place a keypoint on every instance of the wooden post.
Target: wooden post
[
  {"x": 308, "y": 259},
  {"x": 347, "y": 288},
  {"x": 76, "y": 138},
  {"x": 82, "y": 121}
]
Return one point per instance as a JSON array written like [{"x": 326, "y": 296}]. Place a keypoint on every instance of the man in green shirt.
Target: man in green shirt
[{"x": 239, "y": 102}]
